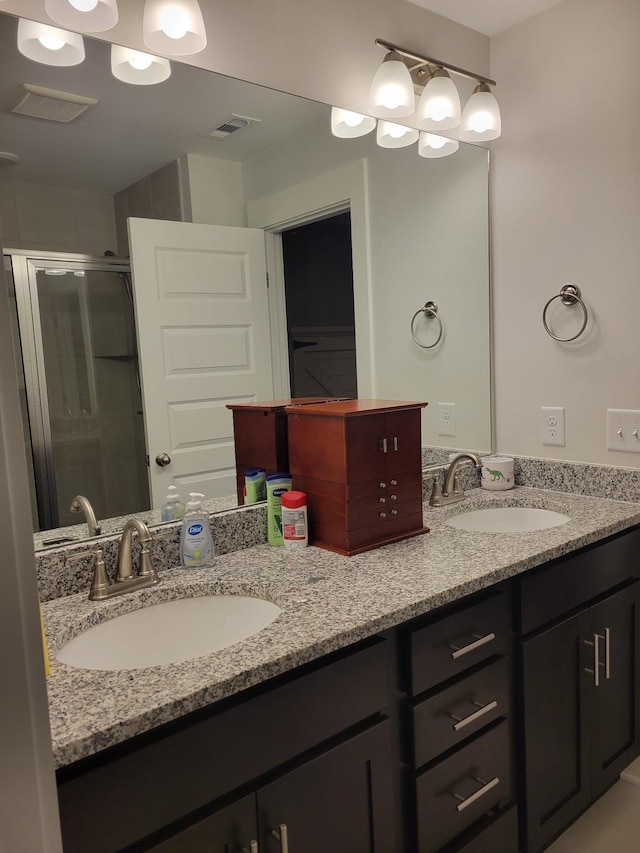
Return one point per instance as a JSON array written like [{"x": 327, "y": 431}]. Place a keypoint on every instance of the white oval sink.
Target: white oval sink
[
  {"x": 507, "y": 519},
  {"x": 169, "y": 632}
]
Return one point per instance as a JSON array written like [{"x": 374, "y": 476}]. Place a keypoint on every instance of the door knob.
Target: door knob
[{"x": 163, "y": 459}]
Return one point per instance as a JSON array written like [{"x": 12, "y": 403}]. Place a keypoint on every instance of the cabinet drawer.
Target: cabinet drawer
[
  {"x": 452, "y": 715},
  {"x": 569, "y": 582},
  {"x": 461, "y": 789},
  {"x": 499, "y": 836},
  {"x": 454, "y": 643}
]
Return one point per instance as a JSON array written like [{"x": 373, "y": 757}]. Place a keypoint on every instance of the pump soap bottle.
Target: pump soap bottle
[
  {"x": 196, "y": 542},
  {"x": 173, "y": 509}
]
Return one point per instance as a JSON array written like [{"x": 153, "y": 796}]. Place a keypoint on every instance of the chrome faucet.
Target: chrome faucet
[
  {"x": 81, "y": 504},
  {"x": 451, "y": 492},
  {"x": 126, "y": 580}
]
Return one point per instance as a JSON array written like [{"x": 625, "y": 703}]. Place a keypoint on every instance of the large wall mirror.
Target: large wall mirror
[{"x": 358, "y": 238}]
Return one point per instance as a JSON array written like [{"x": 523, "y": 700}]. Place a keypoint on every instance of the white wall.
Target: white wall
[
  {"x": 566, "y": 208},
  {"x": 214, "y": 193}
]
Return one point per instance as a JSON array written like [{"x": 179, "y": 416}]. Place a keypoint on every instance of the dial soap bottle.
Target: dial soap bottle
[{"x": 196, "y": 542}]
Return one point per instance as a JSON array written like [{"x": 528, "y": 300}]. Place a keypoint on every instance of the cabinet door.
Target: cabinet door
[
  {"x": 229, "y": 830},
  {"x": 339, "y": 802},
  {"x": 556, "y": 760},
  {"x": 614, "y": 702}
]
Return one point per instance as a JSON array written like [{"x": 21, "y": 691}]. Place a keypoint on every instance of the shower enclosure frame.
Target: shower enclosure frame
[{"x": 24, "y": 267}]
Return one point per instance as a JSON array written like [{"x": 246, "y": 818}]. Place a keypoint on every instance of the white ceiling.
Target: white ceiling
[{"x": 487, "y": 16}]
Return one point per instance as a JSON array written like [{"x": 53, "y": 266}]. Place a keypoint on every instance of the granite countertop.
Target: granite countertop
[{"x": 328, "y": 602}]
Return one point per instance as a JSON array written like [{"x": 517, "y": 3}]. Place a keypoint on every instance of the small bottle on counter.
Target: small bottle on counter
[
  {"x": 295, "y": 528},
  {"x": 173, "y": 509},
  {"x": 277, "y": 485},
  {"x": 255, "y": 486},
  {"x": 196, "y": 542}
]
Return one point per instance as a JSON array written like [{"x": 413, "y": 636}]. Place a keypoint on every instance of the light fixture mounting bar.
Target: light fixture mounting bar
[{"x": 426, "y": 60}]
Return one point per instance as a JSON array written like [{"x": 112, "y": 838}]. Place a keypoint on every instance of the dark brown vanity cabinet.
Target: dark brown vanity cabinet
[
  {"x": 579, "y": 657},
  {"x": 304, "y": 761},
  {"x": 460, "y": 707}
]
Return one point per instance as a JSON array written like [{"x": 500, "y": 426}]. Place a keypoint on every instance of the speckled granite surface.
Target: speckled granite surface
[{"x": 327, "y": 601}]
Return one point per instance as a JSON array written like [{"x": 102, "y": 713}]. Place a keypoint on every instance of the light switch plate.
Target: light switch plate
[{"x": 623, "y": 430}]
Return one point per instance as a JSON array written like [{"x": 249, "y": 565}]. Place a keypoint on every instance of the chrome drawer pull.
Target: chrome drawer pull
[
  {"x": 252, "y": 848},
  {"x": 479, "y": 641},
  {"x": 482, "y": 710},
  {"x": 607, "y": 643},
  {"x": 383, "y": 445},
  {"x": 486, "y": 787},
  {"x": 282, "y": 837},
  {"x": 395, "y": 443}
]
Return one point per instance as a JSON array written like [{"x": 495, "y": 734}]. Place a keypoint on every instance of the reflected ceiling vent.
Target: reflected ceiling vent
[
  {"x": 40, "y": 102},
  {"x": 231, "y": 125}
]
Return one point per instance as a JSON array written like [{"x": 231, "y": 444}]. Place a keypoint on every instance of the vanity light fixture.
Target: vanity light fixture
[
  {"x": 432, "y": 145},
  {"x": 140, "y": 69},
  {"x": 439, "y": 104},
  {"x": 391, "y": 94},
  {"x": 174, "y": 27},
  {"x": 392, "y": 135},
  {"x": 90, "y": 16},
  {"x": 348, "y": 125},
  {"x": 481, "y": 116},
  {"x": 49, "y": 45}
]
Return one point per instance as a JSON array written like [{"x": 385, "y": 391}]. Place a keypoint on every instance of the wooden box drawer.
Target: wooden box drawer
[
  {"x": 569, "y": 582},
  {"x": 454, "y": 643},
  {"x": 500, "y": 835},
  {"x": 461, "y": 789},
  {"x": 453, "y": 714}
]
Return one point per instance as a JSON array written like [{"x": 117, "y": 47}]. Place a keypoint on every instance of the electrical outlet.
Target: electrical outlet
[
  {"x": 446, "y": 419},
  {"x": 552, "y": 425},
  {"x": 623, "y": 430}
]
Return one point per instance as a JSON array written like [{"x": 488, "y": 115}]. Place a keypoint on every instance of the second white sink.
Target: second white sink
[
  {"x": 169, "y": 632},
  {"x": 507, "y": 519}
]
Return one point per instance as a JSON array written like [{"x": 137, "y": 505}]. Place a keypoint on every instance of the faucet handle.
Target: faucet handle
[
  {"x": 100, "y": 582},
  {"x": 436, "y": 493}
]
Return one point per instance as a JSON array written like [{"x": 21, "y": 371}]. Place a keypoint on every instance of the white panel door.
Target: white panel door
[{"x": 203, "y": 336}]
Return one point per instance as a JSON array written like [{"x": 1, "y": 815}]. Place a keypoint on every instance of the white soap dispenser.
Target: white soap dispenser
[
  {"x": 173, "y": 509},
  {"x": 196, "y": 542}
]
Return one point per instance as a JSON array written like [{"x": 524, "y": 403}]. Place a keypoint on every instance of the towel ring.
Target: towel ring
[
  {"x": 430, "y": 310},
  {"x": 569, "y": 295}
]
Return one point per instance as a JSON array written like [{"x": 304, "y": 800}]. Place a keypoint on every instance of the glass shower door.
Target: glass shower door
[{"x": 84, "y": 391}]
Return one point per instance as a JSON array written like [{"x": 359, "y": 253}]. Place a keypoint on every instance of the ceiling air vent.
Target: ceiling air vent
[
  {"x": 40, "y": 102},
  {"x": 231, "y": 125}
]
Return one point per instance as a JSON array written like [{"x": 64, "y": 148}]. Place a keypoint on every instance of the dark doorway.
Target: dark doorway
[{"x": 318, "y": 273}]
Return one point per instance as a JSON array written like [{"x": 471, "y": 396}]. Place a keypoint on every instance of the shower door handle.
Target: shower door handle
[{"x": 163, "y": 459}]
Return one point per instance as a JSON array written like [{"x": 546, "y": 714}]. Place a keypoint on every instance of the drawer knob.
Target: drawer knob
[
  {"x": 382, "y": 514},
  {"x": 382, "y": 500},
  {"x": 394, "y": 482},
  {"x": 383, "y": 485},
  {"x": 394, "y": 497},
  {"x": 465, "y": 802},
  {"x": 458, "y": 652},
  {"x": 460, "y": 723},
  {"x": 393, "y": 512}
]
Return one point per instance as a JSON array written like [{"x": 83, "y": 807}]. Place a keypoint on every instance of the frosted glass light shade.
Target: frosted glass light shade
[
  {"x": 432, "y": 145},
  {"x": 391, "y": 93},
  {"x": 49, "y": 45},
  {"x": 174, "y": 27},
  {"x": 439, "y": 104},
  {"x": 90, "y": 16},
  {"x": 480, "y": 120},
  {"x": 140, "y": 69},
  {"x": 391, "y": 135},
  {"x": 349, "y": 125}
]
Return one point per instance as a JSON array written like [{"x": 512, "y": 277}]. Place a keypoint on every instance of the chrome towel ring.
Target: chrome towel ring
[
  {"x": 569, "y": 295},
  {"x": 430, "y": 310}
]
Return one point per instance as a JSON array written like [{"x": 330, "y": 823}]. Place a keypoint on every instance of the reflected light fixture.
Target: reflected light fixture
[
  {"x": 439, "y": 104},
  {"x": 348, "y": 125},
  {"x": 391, "y": 135},
  {"x": 49, "y": 45},
  {"x": 90, "y": 16},
  {"x": 391, "y": 94},
  {"x": 138, "y": 68},
  {"x": 174, "y": 27},
  {"x": 432, "y": 145},
  {"x": 481, "y": 116}
]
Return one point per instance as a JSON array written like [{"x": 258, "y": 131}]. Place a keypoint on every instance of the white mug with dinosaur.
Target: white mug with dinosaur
[{"x": 497, "y": 473}]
